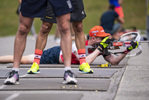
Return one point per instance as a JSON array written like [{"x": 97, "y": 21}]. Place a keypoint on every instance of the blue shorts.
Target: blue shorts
[
  {"x": 36, "y": 8},
  {"x": 50, "y": 56}
]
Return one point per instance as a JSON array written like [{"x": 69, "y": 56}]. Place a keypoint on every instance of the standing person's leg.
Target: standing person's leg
[
  {"x": 64, "y": 28},
  {"x": 40, "y": 45},
  {"x": 62, "y": 13},
  {"x": 77, "y": 17},
  {"x": 80, "y": 43},
  {"x": 19, "y": 47},
  {"x": 20, "y": 40},
  {"x": 26, "y": 19},
  {"x": 63, "y": 23},
  {"x": 43, "y": 35}
]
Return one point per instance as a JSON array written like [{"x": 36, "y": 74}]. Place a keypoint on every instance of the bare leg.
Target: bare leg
[
  {"x": 79, "y": 35},
  {"x": 80, "y": 43},
  {"x": 40, "y": 45},
  {"x": 42, "y": 36},
  {"x": 28, "y": 59},
  {"x": 25, "y": 59},
  {"x": 64, "y": 28},
  {"x": 57, "y": 34},
  {"x": 20, "y": 40},
  {"x": 6, "y": 59}
]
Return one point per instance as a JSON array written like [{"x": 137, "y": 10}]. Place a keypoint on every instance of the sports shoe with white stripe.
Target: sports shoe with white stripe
[
  {"x": 12, "y": 78},
  {"x": 69, "y": 78}
]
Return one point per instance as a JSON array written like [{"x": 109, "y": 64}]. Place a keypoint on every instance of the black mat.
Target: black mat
[
  {"x": 56, "y": 84},
  {"x": 45, "y": 96},
  {"x": 59, "y": 73}
]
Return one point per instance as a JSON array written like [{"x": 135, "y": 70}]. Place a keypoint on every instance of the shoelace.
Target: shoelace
[
  {"x": 71, "y": 73},
  {"x": 10, "y": 74}
]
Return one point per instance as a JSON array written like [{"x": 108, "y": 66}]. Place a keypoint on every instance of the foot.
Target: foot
[
  {"x": 34, "y": 69},
  {"x": 85, "y": 68},
  {"x": 12, "y": 78},
  {"x": 69, "y": 78}
]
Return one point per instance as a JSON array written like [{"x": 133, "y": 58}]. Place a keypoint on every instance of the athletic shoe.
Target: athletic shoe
[
  {"x": 34, "y": 69},
  {"x": 12, "y": 78},
  {"x": 69, "y": 78},
  {"x": 85, "y": 68}
]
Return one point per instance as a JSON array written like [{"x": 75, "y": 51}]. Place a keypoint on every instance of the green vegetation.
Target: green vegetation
[{"x": 134, "y": 10}]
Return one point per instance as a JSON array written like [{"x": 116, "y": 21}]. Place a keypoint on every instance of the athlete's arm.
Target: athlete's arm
[
  {"x": 91, "y": 57},
  {"x": 114, "y": 60}
]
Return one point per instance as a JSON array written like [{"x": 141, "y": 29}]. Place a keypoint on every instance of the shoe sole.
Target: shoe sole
[
  {"x": 33, "y": 72},
  {"x": 10, "y": 83},
  {"x": 71, "y": 82},
  {"x": 85, "y": 72}
]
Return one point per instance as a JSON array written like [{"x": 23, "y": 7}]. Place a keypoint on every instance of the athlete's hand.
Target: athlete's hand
[
  {"x": 133, "y": 45},
  {"x": 104, "y": 43}
]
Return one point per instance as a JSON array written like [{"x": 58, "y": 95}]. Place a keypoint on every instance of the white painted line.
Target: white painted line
[
  {"x": 24, "y": 75},
  {"x": 11, "y": 97},
  {"x": 1, "y": 87}
]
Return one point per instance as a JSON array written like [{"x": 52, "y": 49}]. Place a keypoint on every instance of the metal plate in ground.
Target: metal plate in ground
[
  {"x": 59, "y": 73},
  {"x": 41, "y": 96},
  {"x": 62, "y": 66},
  {"x": 41, "y": 84}
]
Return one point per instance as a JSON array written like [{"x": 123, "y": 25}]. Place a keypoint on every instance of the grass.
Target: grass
[{"x": 134, "y": 10}]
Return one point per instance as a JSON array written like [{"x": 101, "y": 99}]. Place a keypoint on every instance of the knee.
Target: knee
[
  {"x": 45, "y": 28},
  {"x": 23, "y": 29},
  {"x": 64, "y": 28},
  {"x": 78, "y": 28}
]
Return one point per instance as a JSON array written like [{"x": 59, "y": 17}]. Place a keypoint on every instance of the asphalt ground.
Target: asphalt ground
[{"x": 127, "y": 81}]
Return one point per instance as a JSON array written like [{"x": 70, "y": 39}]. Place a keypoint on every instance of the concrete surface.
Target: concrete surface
[{"x": 129, "y": 82}]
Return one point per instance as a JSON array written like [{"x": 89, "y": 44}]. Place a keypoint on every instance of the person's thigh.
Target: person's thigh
[{"x": 25, "y": 23}]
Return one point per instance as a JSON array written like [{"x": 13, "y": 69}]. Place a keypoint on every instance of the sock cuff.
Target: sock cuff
[
  {"x": 81, "y": 51},
  {"x": 67, "y": 68},
  {"x": 16, "y": 69},
  {"x": 38, "y": 52}
]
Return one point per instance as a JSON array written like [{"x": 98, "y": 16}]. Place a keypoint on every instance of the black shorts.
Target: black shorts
[
  {"x": 36, "y": 8},
  {"x": 78, "y": 13}
]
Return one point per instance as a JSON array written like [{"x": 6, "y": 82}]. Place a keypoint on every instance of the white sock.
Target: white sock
[
  {"x": 67, "y": 68},
  {"x": 16, "y": 69}
]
